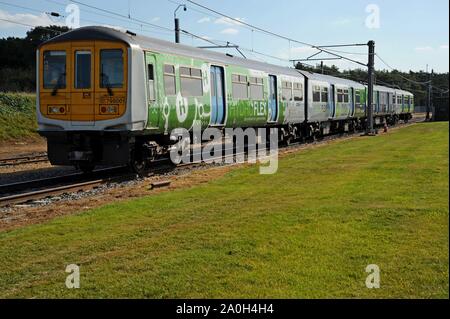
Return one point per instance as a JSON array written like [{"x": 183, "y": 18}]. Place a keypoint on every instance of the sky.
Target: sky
[{"x": 409, "y": 34}]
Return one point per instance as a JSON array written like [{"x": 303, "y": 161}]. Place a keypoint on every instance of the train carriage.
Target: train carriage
[
  {"x": 110, "y": 97},
  {"x": 334, "y": 103}
]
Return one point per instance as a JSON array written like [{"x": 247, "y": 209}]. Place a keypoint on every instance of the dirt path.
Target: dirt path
[{"x": 17, "y": 148}]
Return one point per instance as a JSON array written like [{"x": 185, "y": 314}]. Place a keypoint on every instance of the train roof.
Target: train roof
[
  {"x": 332, "y": 79},
  {"x": 147, "y": 43}
]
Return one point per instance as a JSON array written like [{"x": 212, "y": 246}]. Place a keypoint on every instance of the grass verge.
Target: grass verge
[
  {"x": 17, "y": 116},
  {"x": 308, "y": 231}
]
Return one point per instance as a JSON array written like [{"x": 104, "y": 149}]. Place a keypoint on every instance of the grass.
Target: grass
[
  {"x": 308, "y": 231},
  {"x": 17, "y": 116}
]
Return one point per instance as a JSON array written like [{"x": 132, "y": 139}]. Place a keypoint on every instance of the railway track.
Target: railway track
[
  {"x": 22, "y": 192},
  {"x": 24, "y": 159}
]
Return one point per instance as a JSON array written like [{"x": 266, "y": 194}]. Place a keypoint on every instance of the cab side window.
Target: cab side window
[{"x": 151, "y": 82}]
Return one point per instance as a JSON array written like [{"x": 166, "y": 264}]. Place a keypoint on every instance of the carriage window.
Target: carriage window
[
  {"x": 111, "y": 68},
  {"x": 393, "y": 99},
  {"x": 324, "y": 94},
  {"x": 169, "y": 80},
  {"x": 358, "y": 97},
  {"x": 286, "y": 91},
  {"x": 151, "y": 82},
  {"x": 340, "y": 96},
  {"x": 316, "y": 94},
  {"x": 82, "y": 69},
  {"x": 256, "y": 88},
  {"x": 240, "y": 86},
  {"x": 298, "y": 92},
  {"x": 54, "y": 69},
  {"x": 346, "y": 96},
  {"x": 191, "y": 82}
]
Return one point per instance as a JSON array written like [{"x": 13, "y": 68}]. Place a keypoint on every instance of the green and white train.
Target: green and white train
[{"x": 111, "y": 97}]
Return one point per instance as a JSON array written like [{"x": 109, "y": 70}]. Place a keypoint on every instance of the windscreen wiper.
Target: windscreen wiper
[
  {"x": 58, "y": 83},
  {"x": 105, "y": 78}
]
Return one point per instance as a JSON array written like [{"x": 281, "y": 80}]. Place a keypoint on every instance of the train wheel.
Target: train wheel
[
  {"x": 137, "y": 164},
  {"x": 86, "y": 168}
]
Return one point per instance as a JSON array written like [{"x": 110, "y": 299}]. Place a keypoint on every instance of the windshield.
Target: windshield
[
  {"x": 111, "y": 70},
  {"x": 54, "y": 69}
]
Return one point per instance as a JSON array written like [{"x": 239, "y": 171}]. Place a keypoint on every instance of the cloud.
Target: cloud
[
  {"x": 25, "y": 18},
  {"x": 203, "y": 20},
  {"x": 205, "y": 37},
  {"x": 228, "y": 21},
  {"x": 156, "y": 19},
  {"x": 444, "y": 47},
  {"x": 424, "y": 49},
  {"x": 230, "y": 31}
]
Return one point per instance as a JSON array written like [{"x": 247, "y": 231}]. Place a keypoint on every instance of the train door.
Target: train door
[
  {"x": 152, "y": 89},
  {"x": 377, "y": 101},
  {"x": 273, "y": 99},
  {"x": 82, "y": 112},
  {"x": 332, "y": 101},
  {"x": 352, "y": 102},
  {"x": 218, "y": 105},
  {"x": 388, "y": 103}
]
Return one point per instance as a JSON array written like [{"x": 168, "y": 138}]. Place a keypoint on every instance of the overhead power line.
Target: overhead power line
[
  {"x": 403, "y": 77},
  {"x": 256, "y": 28},
  {"x": 29, "y": 25},
  {"x": 122, "y": 15}
]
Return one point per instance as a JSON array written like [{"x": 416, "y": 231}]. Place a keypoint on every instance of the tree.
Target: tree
[{"x": 18, "y": 58}]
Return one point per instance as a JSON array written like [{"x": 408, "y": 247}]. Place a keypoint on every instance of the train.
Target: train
[{"x": 112, "y": 97}]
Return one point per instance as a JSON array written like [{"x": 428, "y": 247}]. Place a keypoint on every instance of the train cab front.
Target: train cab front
[{"x": 82, "y": 98}]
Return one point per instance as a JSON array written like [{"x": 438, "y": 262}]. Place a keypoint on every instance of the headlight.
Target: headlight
[
  {"x": 109, "y": 109},
  {"x": 56, "y": 109}
]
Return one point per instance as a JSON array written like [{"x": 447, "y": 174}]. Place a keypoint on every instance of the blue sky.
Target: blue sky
[{"x": 411, "y": 33}]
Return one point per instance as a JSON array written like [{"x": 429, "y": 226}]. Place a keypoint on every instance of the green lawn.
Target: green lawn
[
  {"x": 17, "y": 116},
  {"x": 307, "y": 232}
]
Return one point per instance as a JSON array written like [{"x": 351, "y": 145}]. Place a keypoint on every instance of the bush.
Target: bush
[{"x": 17, "y": 80}]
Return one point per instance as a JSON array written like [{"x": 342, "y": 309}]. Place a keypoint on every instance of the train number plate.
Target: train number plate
[{"x": 113, "y": 100}]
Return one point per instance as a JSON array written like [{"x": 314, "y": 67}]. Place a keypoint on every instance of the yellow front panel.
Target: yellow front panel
[{"x": 86, "y": 98}]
